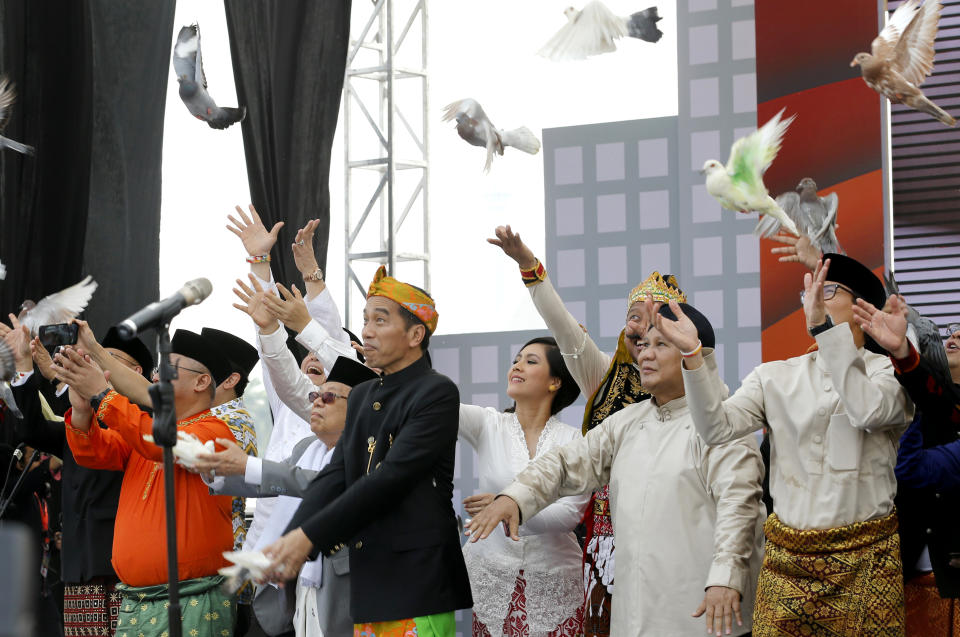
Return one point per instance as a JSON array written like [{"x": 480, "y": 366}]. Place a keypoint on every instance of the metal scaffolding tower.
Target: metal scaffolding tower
[{"x": 386, "y": 168}]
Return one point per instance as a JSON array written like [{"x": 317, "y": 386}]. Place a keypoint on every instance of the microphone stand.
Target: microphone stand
[{"x": 165, "y": 435}]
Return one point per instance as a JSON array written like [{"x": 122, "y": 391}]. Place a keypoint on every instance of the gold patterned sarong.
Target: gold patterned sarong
[{"x": 837, "y": 582}]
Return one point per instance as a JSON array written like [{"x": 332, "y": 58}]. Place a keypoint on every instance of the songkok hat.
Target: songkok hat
[
  {"x": 857, "y": 277},
  {"x": 412, "y": 298},
  {"x": 662, "y": 288},
  {"x": 242, "y": 355},
  {"x": 350, "y": 372},
  {"x": 134, "y": 347},
  {"x": 203, "y": 350},
  {"x": 704, "y": 329}
]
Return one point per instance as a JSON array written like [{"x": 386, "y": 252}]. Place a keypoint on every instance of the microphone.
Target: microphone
[{"x": 191, "y": 293}]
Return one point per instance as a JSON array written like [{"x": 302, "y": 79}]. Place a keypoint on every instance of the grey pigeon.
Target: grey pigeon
[
  {"x": 815, "y": 216},
  {"x": 8, "y": 96},
  {"x": 475, "y": 128},
  {"x": 929, "y": 343},
  {"x": 8, "y": 368},
  {"x": 188, "y": 63},
  {"x": 58, "y": 307}
]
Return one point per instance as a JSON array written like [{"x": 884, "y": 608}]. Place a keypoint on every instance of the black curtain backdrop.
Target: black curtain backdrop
[
  {"x": 289, "y": 58},
  {"x": 92, "y": 81}
]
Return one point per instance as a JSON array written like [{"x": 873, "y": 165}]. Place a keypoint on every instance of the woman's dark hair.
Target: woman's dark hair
[{"x": 568, "y": 391}]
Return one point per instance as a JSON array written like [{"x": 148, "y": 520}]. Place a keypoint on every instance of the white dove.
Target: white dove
[
  {"x": 476, "y": 129},
  {"x": 246, "y": 565},
  {"x": 595, "y": 28},
  {"x": 58, "y": 307},
  {"x": 188, "y": 447},
  {"x": 739, "y": 185}
]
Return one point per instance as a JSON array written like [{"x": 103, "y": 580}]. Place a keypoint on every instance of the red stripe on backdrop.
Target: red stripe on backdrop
[{"x": 803, "y": 66}]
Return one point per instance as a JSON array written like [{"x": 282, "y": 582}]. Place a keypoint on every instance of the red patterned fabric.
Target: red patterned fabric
[
  {"x": 90, "y": 610},
  {"x": 515, "y": 625}
]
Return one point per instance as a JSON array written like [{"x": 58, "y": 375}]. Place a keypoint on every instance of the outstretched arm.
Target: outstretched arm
[{"x": 587, "y": 364}]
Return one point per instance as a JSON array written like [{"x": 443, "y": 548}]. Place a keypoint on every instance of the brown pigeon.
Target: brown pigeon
[{"x": 902, "y": 57}]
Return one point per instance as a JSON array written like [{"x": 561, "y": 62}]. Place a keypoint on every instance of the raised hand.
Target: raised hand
[
  {"x": 502, "y": 509},
  {"x": 17, "y": 337},
  {"x": 888, "y": 329},
  {"x": 303, "y": 255},
  {"x": 681, "y": 333},
  {"x": 290, "y": 310},
  {"x": 797, "y": 250},
  {"x": 254, "y": 235},
  {"x": 253, "y": 305},
  {"x": 514, "y": 247},
  {"x": 814, "y": 306},
  {"x": 80, "y": 372},
  {"x": 232, "y": 461},
  {"x": 42, "y": 358}
]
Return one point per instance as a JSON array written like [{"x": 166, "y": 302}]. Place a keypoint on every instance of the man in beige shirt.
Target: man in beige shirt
[
  {"x": 687, "y": 516},
  {"x": 832, "y": 564}
]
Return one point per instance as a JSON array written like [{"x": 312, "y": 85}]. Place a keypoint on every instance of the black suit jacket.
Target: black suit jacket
[
  {"x": 387, "y": 495},
  {"x": 89, "y": 496},
  {"x": 931, "y": 517}
]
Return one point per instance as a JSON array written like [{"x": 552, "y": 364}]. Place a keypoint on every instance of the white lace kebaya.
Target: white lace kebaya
[{"x": 547, "y": 553}]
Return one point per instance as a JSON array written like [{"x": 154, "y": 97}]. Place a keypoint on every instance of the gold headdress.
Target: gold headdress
[{"x": 662, "y": 288}]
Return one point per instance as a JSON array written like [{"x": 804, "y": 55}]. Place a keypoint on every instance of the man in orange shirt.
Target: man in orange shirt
[{"x": 115, "y": 442}]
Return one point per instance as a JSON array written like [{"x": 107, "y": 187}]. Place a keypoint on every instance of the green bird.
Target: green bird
[{"x": 738, "y": 186}]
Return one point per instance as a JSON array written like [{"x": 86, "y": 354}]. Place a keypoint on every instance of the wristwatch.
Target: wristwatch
[
  {"x": 823, "y": 327},
  {"x": 96, "y": 400},
  {"x": 317, "y": 275}
]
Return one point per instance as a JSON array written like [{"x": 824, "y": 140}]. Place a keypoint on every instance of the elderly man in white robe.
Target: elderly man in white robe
[
  {"x": 687, "y": 517},
  {"x": 832, "y": 558}
]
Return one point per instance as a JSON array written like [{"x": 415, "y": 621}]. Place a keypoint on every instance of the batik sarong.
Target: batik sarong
[
  {"x": 90, "y": 609},
  {"x": 204, "y": 609},
  {"x": 928, "y": 614},
  {"x": 830, "y": 582},
  {"x": 439, "y": 625}
]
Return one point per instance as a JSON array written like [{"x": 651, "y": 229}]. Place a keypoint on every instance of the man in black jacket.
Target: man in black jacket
[
  {"x": 89, "y": 497},
  {"x": 388, "y": 488},
  {"x": 929, "y": 512}
]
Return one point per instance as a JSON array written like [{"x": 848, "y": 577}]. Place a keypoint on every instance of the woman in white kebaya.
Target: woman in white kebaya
[{"x": 534, "y": 586}]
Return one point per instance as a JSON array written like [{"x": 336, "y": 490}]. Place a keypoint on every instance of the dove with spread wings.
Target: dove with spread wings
[
  {"x": 476, "y": 129},
  {"x": 814, "y": 216},
  {"x": 58, "y": 307},
  {"x": 739, "y": 185},
  {"x": 901, "y": 57},
  {"x": 188, "y": 63},
  {"x": 595, "y": 28}
]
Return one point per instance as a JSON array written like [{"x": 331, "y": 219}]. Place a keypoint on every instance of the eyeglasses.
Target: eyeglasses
[
  {"x": 328, "y": 397},
  {"x": 830, "y": 291},
  {"x": 950, "y": 330},
  {"x": 177, "y": 366},
  {"x": 123, "y": 359}
]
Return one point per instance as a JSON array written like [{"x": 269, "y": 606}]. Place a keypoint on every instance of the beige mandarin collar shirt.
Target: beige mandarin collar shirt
[
  {"x": 835, "y": 417},
  {"x": 686, "y": 515}
]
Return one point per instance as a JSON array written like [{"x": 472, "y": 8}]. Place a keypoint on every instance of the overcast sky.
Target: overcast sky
[{"x": 492, "y": 59}]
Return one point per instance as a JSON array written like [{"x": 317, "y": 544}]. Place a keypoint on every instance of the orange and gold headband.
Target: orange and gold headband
[{"x": 419, "y": 303}]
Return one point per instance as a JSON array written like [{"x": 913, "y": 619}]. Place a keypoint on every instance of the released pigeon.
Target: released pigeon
[
  {"x": 58, "y": 307},
  {"x": 593, "y": 30},
  {"x": 901, "y": 57},
  {"x": 8, "y": 96},
  {"x": 814, "y": 216},
  {"x": 3, "y": 271},
  {"x": 476, "y": 129},
  {"x": 739, "y": 185},
  {"x": 246, "y": 565},
  {"x": 188, "y": 63},
  {"x": 926, "y": 336},
  {"x": 188, "y": 447}
]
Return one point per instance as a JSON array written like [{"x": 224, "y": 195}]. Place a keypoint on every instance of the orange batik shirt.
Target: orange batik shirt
[{"x": 204, "y": 528}]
